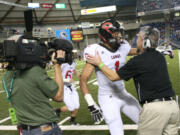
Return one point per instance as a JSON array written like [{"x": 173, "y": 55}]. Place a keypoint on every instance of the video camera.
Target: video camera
[
  {"x": 29, "y": 51},
  {"x": 61, "y": 44}
]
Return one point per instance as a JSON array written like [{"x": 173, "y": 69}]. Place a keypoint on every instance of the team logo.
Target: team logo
[
  {"x": 107, "y": 25},
  {"x": 63, "y": 35}
]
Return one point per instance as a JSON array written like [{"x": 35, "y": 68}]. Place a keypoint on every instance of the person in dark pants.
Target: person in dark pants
[
  {"x": 30, "y": 94},
  {"x": 160, "y": 114}
]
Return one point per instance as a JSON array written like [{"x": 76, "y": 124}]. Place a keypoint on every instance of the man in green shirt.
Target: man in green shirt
[{"x": 30, "y": 95}]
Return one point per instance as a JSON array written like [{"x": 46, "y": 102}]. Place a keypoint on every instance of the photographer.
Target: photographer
[{"x": 30, "y": 90}]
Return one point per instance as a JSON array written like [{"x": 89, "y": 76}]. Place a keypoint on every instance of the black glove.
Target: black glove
[
  {"x": 96, "y": 114},
  {"x": 169, "y": 52}
]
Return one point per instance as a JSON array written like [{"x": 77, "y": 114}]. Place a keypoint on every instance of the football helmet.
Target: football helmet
[{"x": 106, "y": 30}]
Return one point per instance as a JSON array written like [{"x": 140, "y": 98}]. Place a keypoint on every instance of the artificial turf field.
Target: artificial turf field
[{"x": 83, "y": 116}]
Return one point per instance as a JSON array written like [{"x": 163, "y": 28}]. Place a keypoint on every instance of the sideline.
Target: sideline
[
  {"x": 64, "y": 120},
  {"x": 179, "y": 60},
  {"x": 88, "y": 83},
  {"x": 1, "y": 121},
  {"x": 80, "y": 127}
]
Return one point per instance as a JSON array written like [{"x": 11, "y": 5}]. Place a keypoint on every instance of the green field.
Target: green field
[{"x": 84, "y": 117}]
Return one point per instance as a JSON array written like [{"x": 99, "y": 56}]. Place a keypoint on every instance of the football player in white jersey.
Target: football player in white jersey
[
  {"x": 71, "y": 97},
  {"x": 112, "y": 96}
]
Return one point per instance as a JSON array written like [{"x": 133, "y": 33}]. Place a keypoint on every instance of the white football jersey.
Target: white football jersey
[
  {"x": 114, "y": 60},
  {"x": 68, "y": 70}
]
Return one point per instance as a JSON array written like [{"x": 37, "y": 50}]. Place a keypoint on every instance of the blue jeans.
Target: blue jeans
[{"x": 38, "y": 131}]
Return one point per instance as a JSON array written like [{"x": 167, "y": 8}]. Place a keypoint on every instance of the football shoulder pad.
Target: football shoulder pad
[{"x": 90, "y": 49}]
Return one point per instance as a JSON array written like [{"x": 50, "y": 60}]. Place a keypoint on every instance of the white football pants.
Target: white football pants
[
  {"x": 113, "y": 105},
  {"x": 71, "y": 98}
]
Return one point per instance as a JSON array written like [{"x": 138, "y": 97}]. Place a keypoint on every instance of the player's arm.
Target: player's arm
[
  {"x": 85, "y": 75},
  {"x": 95, "y": 111},
  {"x": 133, "y": 51},
  {"x": 96, "y": 60},
  {"x": 58, "y": 76}
]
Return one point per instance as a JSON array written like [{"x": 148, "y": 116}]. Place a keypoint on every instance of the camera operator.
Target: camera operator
[{"x": 30, "y": 93}]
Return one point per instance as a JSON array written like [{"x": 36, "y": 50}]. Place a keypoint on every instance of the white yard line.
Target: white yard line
[
  {"x": 179, "y": 60},
  {"x": 1, "y": 121},
  {"x": 88, "y": 83},
  {"x": 1, "y": 91},
  {"x": 95, "y": 83},
  {"x": 80, "y": 64},
  {"x": 80, "y": 127},
  {"x": 64, "y": 120},
  {"x": 92, "y": 81}
]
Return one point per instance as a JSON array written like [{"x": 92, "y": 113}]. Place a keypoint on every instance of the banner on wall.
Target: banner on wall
[
  {"x": 76, "y": 35},
  {"x": 63, "y": 34}
]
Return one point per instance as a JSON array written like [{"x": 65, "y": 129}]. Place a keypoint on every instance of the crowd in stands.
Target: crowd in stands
[
  {"x": 149, "y": 5},
  {"x": 175, "y": 3},
  {"x": 175, "y": 30}
]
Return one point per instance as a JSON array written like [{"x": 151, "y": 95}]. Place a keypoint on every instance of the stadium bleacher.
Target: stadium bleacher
[
  {"x": 150, "y": 5},
  {"x": 175, "y": 3},
  {"x": 175, "y": 30}
]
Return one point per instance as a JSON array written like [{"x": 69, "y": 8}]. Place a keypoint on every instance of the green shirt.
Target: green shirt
[{"x": 30, "y": 96}]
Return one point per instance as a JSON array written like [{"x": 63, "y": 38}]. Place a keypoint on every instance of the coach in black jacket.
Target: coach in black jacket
[{"x": 160, "y": 114}]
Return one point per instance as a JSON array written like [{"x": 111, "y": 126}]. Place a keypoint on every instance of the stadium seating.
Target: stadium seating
[
  {"x": 149, "y": 5},
  {"x": 175, "y": 30},
  {"x": 153, "y": 5},
  {"x": 175, "y": 3}
]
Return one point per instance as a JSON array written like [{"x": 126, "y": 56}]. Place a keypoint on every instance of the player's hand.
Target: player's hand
[
  {"x": 96, "y": 114},
  {"x": 95, "y": 60},
  {"x": 169, "y": 52},
  {"x": 60, "y": 55}
]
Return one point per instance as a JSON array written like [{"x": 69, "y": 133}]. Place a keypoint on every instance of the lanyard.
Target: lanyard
[
  {"x": 8, "y": 92},
  {"x": 12, "y": 112}
]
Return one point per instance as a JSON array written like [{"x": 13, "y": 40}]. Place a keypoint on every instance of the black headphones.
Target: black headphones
[{"x": 147, "y": 41}]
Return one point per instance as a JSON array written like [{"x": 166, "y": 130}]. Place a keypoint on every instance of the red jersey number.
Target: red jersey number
[
  {"x": 68, "y": 74},
  {"x": 117, "y": 65}
]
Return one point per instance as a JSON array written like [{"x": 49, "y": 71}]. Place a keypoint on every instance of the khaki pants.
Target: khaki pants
[{"x": 159, "y": 118}]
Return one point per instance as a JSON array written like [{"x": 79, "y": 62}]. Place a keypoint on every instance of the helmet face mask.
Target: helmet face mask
[{"x": 111, "y": 32}]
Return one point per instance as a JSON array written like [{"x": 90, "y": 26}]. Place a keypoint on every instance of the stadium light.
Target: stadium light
[
  {"x": 98, "y": 10},
  {"x": 74, "y": 51},
  {"x": 177, "y": 14},
  {"x": 60, "y": 5},
  {"x": 33, "y": 5}
]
